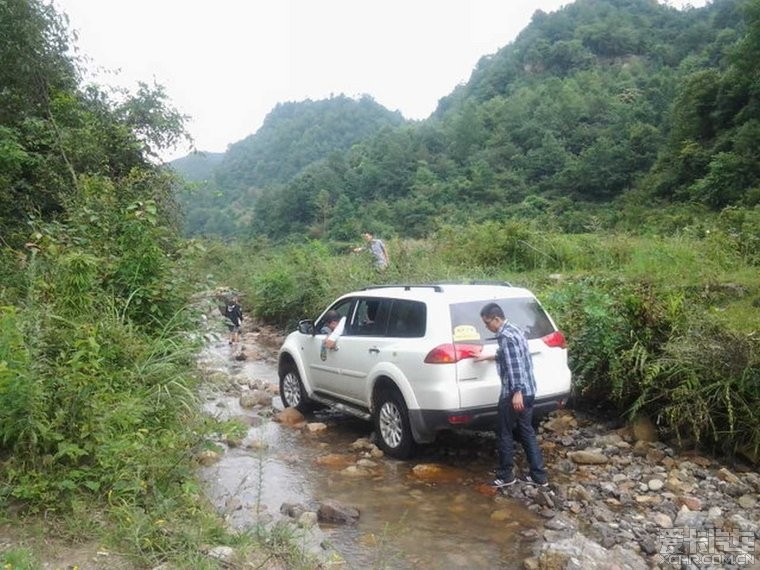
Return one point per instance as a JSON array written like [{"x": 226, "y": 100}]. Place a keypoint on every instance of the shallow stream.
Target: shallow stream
[{"x": 447, "y": 520}]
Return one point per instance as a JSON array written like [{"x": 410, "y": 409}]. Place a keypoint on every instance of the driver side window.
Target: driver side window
[{"x": 343, "y": 308}]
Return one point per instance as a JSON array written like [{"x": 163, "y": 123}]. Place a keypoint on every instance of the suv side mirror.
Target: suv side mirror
[{"x": 306, "y": 326}]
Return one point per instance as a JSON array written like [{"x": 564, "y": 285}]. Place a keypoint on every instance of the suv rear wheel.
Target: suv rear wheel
[
  {"x": 392, "y": 424},
  {"x": 292, "y": 392}
]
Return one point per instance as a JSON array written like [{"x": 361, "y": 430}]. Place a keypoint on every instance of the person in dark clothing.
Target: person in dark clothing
[{"x": 234, "y": 312}]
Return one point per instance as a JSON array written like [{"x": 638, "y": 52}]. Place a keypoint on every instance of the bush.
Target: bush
[
  {"x": 639, "y": 348},
  {"x": 294, "y": 283},
  {"x": 512, "y": 245}
]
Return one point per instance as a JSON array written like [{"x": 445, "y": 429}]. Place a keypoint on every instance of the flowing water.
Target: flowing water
[{"x": 444, "y": 521}]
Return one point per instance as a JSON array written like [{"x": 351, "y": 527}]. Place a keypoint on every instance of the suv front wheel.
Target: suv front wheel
[
  {"x": 292, "y": 392},
  {"x": 392, "y": 424}
]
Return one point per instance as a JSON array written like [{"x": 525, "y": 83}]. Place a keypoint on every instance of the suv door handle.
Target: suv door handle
[{"x": 375, "y": 350}]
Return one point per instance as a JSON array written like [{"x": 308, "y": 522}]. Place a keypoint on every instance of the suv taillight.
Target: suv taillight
[
  {"x": 450, "y": 353},
  {"x": 555, "y": 339}
]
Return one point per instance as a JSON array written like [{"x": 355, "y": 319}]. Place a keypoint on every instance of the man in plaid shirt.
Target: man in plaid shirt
[{"x": 518, "y": 390}]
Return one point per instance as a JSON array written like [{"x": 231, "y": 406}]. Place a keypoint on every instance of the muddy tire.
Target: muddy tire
[
  {"x": 391, "y": 417},
  {"x": 292, "y": 392}
]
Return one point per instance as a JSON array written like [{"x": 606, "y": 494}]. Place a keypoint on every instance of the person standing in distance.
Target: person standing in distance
[
  {"x": 234, "y": 312},
  {"x": 518, "y": 391},
  {"x": 377, "y": 248}
]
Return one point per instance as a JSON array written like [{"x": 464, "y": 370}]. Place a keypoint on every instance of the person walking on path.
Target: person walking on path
[
  {"x": 518, "y": 391},
  {"x": 377, "y": 248},
  {"x": 234, "y": 312}
]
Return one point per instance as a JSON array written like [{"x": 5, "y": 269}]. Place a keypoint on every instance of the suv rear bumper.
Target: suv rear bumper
[{"x": 426, "y": 424}]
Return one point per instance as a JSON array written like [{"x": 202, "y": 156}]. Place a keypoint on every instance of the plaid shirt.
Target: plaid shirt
[{"x": 514, "y": 363}]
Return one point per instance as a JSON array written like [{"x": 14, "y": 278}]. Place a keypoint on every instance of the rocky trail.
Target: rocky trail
[{"x": 619, "y": 498}]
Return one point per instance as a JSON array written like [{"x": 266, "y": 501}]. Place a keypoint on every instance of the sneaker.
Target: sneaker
[
  {"x": 531, "y": 481},
  {"x": 501, "y": 483}
]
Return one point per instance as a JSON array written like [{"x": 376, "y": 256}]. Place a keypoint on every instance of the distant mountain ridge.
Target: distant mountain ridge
[
  {"x": 197, "y": 166},
  {"x": 292, "y": 136},
  {"x": 601, "y": 100}
]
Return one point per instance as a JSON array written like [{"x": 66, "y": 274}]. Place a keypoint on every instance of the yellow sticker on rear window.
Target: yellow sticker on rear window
[{"x": 465, "y": 332}]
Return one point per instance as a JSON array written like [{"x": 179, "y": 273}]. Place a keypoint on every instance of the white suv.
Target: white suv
[{"x": 405, "y": 360}]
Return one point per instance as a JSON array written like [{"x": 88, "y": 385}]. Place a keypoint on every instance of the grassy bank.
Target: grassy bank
[{"x": 662, "y": 325}]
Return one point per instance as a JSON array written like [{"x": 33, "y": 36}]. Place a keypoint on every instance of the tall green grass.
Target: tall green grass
[{"x": 660, "y": 324}]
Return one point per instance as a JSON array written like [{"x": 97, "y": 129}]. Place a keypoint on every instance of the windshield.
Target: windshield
[{"x": 525, "y": 313}]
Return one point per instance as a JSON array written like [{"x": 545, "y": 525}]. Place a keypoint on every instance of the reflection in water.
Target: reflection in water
[{"x": 404, "y": 523}]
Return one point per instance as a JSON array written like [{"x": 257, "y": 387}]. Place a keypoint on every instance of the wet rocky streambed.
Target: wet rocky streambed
[{"x": 617, "y": 499}]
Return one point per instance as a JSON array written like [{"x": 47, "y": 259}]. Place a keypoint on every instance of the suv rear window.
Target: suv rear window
[{"x": 524, "y": 313}]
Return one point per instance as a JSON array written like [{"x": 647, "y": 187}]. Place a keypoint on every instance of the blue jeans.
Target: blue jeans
[{"x": 507, "y": 417}]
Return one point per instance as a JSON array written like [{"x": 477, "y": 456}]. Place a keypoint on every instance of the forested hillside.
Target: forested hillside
[
  {"x": 602, "y": 101},
  {"x": 293, "y": 136},
  {"x": 198, "y": 166},
  {"x": 96, "y": 401}
]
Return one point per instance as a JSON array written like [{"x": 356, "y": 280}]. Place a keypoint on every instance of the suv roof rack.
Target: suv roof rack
[
  {"x": 477, "y": 282},
  {"x": 407, "y": 286}
]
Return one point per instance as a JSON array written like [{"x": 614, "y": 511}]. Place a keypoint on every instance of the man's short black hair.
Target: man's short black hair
[
  {"x": 332, "y": 315},
  {"x": 492, "y": 310}
]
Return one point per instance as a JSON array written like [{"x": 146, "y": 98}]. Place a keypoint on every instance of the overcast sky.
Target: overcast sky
[{"x": 227, "y": 63}]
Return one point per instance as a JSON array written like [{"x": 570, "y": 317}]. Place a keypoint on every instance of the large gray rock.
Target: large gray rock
[
  {"x": 580, "y": 553},
  {"x": 331, "y": 511},
  {"x": 588, "y": 457}
]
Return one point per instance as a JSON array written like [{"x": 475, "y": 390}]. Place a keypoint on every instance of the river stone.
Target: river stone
[
  {"x": 307, "y": 519},
  {"x": 252, "y": 398},
  {"x": 662, "y": 520},
  {"x": 725, "y": 475},
  {"x": 290, "y": 417},
  {"x": 332, "y": 511},
  {"x": 316, "y": 427},
  {"x": 561, "y": 423},
  {"x": 434, "y": 473},
  {"x": 744, "y": 525},
  {"x": 292, "y": 510},
  {"x": 691, "y": 503},
  {"x": 578, "y": 552},
  {"x": 588, "y": 457},
  {"x": 208, "y": 457},
  {"x": 655, "y": 484},
  {"x": 578, "y": 492},
  {"x": 354, "y": 471},
  {"x": 714, "y": 513},
  {"x": 362, "y": 444},
  {"x": 690, "y": 519},
  {"x": 644, "y": 429},
  {"x": 701, "y": 461},
  {"x": 608, "y": 440},
  {"x": 747, "y": 501},
  {"x": 257, "y": 445},
  {"x": 648, "y": 499},
  {"x": 502, "y": 515},
  {"x": 566, "y": 466},
  {"x": 224, "y": 554},
  {"x": 335, "y": 460},
  {"x": 655, "y": 455},
  {"x": 560, "y": 523}
]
